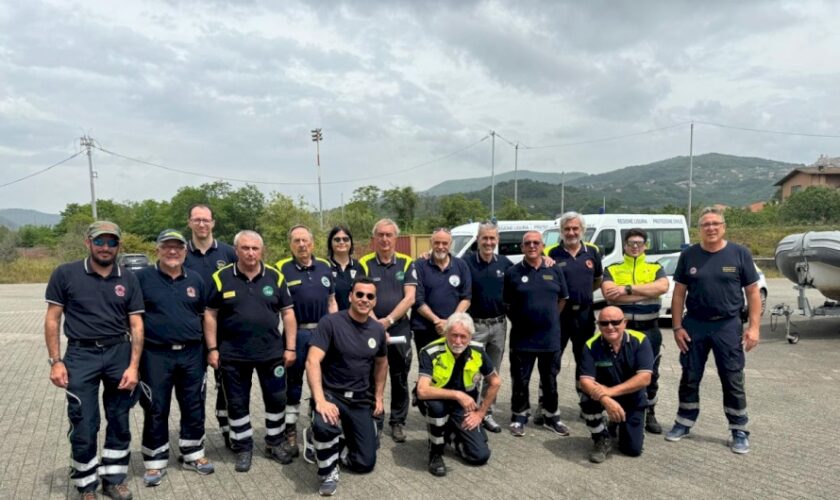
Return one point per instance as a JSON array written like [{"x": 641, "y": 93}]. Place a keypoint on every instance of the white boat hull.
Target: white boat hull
[{"x": 812, "y": 260}]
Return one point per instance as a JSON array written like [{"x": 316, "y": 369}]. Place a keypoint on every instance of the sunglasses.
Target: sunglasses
[
  {"x": 369, "y": 296},
  {"x": 614, "y": 322},
  {"x": 102, "y": 242},
  {"x": 635, "y": 243},
  {"x": 341, "y": 239},
  {"x": 532, "y": 243}
]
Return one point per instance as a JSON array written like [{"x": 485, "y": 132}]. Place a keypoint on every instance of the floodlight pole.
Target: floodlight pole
[{"x": 317, "y": 137}]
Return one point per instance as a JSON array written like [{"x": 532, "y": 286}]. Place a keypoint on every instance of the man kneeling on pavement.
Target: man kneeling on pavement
[
  {"x": 447, "y": 389},
  {"x": 346, "y": 347},
  {"x": 616, "y": 368}
]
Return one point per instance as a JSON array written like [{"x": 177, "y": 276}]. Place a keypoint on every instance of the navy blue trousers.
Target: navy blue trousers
[{"x": 236, "y": 382}]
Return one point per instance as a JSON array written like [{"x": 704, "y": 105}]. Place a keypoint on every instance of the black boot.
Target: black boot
[
  {"x": 436, "y": 465},
  {"x": 651, "y": 425}
]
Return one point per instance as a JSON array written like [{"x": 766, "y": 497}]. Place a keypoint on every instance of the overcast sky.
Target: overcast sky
[{"x": 233, "y": 88}]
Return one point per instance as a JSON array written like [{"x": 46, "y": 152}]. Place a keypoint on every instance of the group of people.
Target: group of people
[{"x": 348, "y": 326}]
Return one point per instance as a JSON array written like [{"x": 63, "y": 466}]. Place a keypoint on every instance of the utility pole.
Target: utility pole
[
  {"x": 493, "y": 174},
  {"x": 317, "y": 137},
  {"x": 690, "y": 173},
  {"x": 87, "y": 143},
  {"x": 563, "y": 193},
  {"x": 516, "y": 174}
]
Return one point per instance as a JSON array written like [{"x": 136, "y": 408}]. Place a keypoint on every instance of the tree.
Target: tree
[
  {"x": 368, "y": 194},
  {"x": 148, "y": 218},
  {"x": 233, "y": 210},
  {"x": 512, "y": 211},
  {"x": 8, "y": 244},
  {"x": 457, "y": 209},
  {"x": 402, "y": 202},
  {"x": 36, "y": 236},
  {"x": 280, "y": 215},
  {"x": 815, "y": 205}
]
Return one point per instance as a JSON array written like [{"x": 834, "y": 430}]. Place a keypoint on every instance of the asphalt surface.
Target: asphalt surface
[{"x": 793, "y": 396}]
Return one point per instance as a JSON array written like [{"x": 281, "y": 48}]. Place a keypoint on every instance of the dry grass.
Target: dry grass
[{"x": 28, "y": 270}]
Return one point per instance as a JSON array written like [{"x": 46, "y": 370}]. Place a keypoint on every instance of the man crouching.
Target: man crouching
[
  {"x": 450, "y": 369},
  {"x": 616, "y": 367}
]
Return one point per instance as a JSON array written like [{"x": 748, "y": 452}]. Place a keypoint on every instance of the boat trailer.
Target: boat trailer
[{"x": 828, "y": 308}]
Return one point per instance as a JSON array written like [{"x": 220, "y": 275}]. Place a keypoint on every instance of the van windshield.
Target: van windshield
[
  {"x": 551, "y": 237},
  {"x": 459, "y": 241},
  {"x": 587, "y": 235}
]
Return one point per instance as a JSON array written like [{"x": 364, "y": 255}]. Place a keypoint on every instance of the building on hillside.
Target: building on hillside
[
  {"x": 824, "y": 172},
  {"x": 756, "y": 207}
]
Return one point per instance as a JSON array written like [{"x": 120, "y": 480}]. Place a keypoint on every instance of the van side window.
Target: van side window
[
  {"x": 510, "y": 241},
  {"x": 606, "y": 241},
  {"x": 661, "y": 241}
]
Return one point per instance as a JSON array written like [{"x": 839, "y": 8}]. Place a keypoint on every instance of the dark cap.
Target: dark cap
[
  {"x": 171, "y": 234},
  {"x": 101, "y": 227}
]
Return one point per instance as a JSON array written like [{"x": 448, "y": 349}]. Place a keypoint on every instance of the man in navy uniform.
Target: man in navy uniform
[
  {"x": 708, "y": 282},
  {"x": 450, "y": 369},
  {"x": 206, "y": 255},
  {"x": 345, "y": 348},
  {"x": 487, "y": 308},
  {"x": 581, "y": 265},
  {"x": 616, "y": 367},
  {"x": 241, "y": 332},
  {"x": 534, "y": 295},
  {"x": 396, "y": 283},
  {"x": 173, "y": 357},
  {"x": 444, "y": 286},
  {"x": 101, "y": 303},
  {"x": 311, "y": 285}
]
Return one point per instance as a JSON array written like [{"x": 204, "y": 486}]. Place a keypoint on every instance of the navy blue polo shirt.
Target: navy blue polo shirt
[
  {"x": 456, "y": 380},
  {"x": 580, "y": 270},
  {"x": 714, "y": 280},
  {"x": 531, "y": 296},
  {"x": 350, "y": 348},
  {"x": 174, "y": 307},
  {"x": 310, "y": 286},
  {"x": 248, "y": 313},
  {"x": 94, "y": 307},
  {"x": 218, "y": 256},
  {"x": 610, "y": 368},
  {"x": 390, "y": 279},
  {"x": 487, "y": 281},
  {"x": 440, "y": 289},
  {"x": 343, "y": 279}
]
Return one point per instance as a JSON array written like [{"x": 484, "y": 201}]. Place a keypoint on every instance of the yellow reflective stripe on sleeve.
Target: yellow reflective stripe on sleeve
[
  {"x": 593, "y": 339},
  {"x": 217, "y": 279},
  {"x": 279, "y": 274}
]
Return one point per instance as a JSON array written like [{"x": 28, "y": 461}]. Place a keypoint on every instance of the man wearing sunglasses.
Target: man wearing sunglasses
[
  {"x": 534, "y": 295},
  {"x": 173, "y": 357},
  {"x": 636, "y": 286},
  {"x": 616, "y": 367},
  {"x": 345, "y": 348},
  {"x": 100, "y": 303},
  {"x": 311, "y": 284}
]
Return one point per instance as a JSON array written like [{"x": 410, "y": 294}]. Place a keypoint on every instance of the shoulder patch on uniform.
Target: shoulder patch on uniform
[{"x": 637, "y": 335}]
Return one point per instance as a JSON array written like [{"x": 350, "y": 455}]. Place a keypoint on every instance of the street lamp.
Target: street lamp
[{"x": 317, "y": 137}]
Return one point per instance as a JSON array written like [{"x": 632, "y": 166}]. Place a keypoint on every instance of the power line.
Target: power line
[
  {"x": 42, "y": 170},
  {"x": 273, "y": 183},
  {"x": 765, "y": 131},
  {"x": 607, "y": 139}
]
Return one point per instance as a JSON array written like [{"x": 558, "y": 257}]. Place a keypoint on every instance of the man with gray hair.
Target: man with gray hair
[
  {"x": 241, "y": 332},
  {"x": 450, "y": 368},
  {"x": 487, "y": 308},
  {"x": 396, "y": 284}
]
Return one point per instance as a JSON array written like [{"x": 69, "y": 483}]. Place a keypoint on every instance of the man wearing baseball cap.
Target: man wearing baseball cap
[
  {"x": 173, "y": 357},
  {"x": 101, "y": 304}
]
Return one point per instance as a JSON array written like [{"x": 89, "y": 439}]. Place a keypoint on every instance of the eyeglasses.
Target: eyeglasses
[
  {"x": 613, "y": 322},
  {"x": 531, "y": 243},
  {"x": 341, "y": 239},
  {"x": 369, "y": 296},
  {"x": 176, "y": 248},
  {"x": 201, "y": 221},
  {"x": 102, "y": 242},
  {"x": 635, "y": 243},
  {"x": 707, "y": 225}
]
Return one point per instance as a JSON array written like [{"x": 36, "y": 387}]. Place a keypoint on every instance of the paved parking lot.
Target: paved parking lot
[{"x": 793, "y": 394}]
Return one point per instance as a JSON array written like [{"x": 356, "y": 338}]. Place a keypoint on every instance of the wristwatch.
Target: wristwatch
[
  {"x": 628, "y": 289},
  {"x": 53, "y": 361}
]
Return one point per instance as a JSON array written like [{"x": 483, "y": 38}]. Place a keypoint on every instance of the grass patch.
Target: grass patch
[{"x": 28, "y": 270}]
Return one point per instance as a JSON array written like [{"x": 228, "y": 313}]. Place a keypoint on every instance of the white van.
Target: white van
[
  {"x": 510, "y": 237},
  {"x": 667, "y": 235}
]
